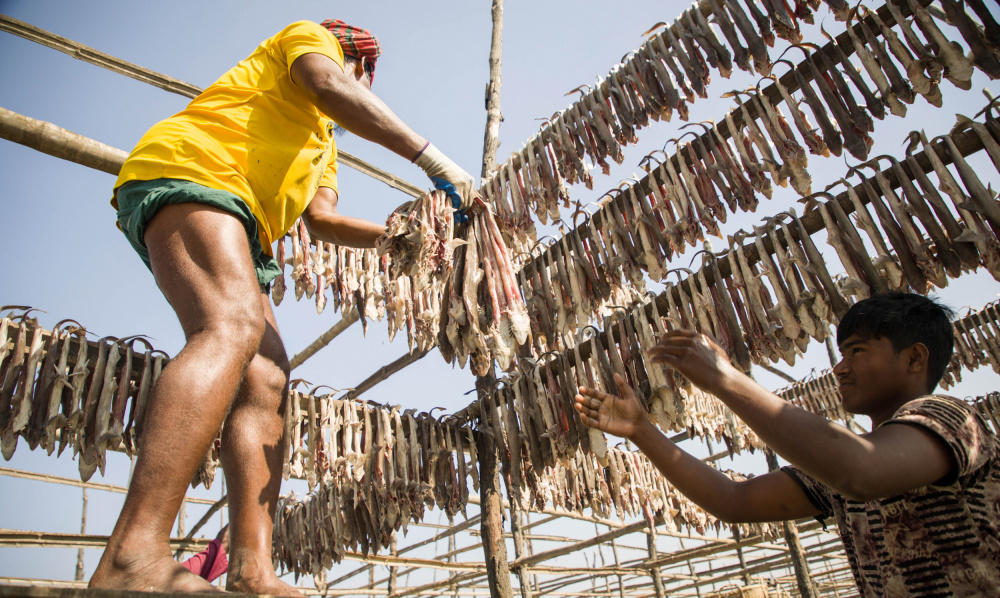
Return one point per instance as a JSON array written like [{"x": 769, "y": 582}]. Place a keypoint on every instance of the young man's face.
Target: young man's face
[{"x": 871, "y": 374}]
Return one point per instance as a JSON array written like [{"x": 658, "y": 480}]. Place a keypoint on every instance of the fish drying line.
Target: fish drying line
[{"x": 611, "y": 337}]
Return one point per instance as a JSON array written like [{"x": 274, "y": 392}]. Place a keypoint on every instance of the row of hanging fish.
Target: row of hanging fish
[
  {"x": 780, "y": 289},
  {"x": 459, "y": 294},
  {"x": 819, "y": 394},
  {"x": 628, "y": 486},
  {"x": 532, "y": 418},
  {"x": 604, "y": 119},
  {"x": 988, "y": 406},
  {"x": 977, "y": 343},
  {"x": 372, "y": 468},
  {"x": 56, "y": 387}
]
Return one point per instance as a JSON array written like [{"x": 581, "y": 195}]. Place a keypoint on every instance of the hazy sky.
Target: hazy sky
[{"x": 63, "y": 254}]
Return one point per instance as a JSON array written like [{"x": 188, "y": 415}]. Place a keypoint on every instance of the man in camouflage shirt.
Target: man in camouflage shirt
[{"x": 917, "y": 500}]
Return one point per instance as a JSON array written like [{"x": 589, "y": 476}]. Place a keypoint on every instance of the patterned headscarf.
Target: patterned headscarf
[{"x": 355, "y": 41}]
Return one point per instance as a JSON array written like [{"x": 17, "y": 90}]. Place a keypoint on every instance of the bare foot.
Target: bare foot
[
  {"x": 158, "y": 573},
  {"x": 265, "y": 583},
  {"x": 273, "y": 587}
]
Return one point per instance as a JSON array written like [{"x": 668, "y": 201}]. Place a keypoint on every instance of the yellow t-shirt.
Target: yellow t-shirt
[{"x": 254, "y": 132}]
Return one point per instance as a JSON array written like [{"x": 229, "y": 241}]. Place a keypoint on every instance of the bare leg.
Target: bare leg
[
  {"x": 202, "y": 264},
  {"x": 252, "y": 456}
]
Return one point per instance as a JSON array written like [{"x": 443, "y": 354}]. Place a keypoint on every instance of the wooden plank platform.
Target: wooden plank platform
[{"x": 26, "y": 591}]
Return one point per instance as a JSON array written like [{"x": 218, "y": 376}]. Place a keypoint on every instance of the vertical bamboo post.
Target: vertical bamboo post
[
  {"x": 803, "y": 577},
  {"x": 618, "y": 563},
  {"x": 491, "y": 141},
  {"x": 655, "y": 571},
  {"x": 83, "y": 530},
  {"x": 520, "y": 549},
  {"x": 451, "y": 551},
  {"x": 739, "y": 554},
  {"x": 392, "y": 570},
  {"x": 697, "y": 589},
  {"x": 181, "y": 518},
  {"x": 491, "y": 505}
]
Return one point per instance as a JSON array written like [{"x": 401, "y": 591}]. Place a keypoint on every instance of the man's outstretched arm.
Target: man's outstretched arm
[
  {"x": 349, "y": 102},
  {"x": 771, "y": 497},
  {"x": 888, "y": 461},
  {"x": 327, "y": 224}
]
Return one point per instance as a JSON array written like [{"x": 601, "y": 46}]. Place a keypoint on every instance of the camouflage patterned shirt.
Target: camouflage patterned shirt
[{"x": 939, "y": 540}]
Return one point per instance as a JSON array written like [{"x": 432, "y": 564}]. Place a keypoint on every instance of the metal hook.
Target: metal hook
[{"x": 696, "y": 254}]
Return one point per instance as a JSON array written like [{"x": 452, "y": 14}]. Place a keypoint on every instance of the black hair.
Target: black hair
[{"x": 905, "y": 319}]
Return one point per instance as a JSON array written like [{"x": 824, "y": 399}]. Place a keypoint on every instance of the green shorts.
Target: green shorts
[{"x": 138, "y": 202}]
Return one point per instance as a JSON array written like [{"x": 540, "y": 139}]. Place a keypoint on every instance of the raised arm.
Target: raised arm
[
  {"x": 888, "y": 461},
  {"x": 771, "y": 497},
  {"x": 327, "y": 224},
  {"x": 349, "y": 102}
]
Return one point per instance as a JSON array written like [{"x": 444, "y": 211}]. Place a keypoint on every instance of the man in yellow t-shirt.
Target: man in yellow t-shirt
[{"x": 202, "y": 198}]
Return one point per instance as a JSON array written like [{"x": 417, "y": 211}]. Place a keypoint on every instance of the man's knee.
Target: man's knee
[
  {"x": 240, "y": 329},
  {"x": 267, "y": 377}
]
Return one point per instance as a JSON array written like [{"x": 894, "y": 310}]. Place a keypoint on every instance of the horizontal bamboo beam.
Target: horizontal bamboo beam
[
  {"x": 23, "y": 539},
  {"x": 534, "y": 559},
  {"x": 42, "y": 477},
  {"x": 324, "y": 339},
  {"x": 450, "y": 532},
  {"x": 420, "y": 590},
  {"x": 59, "y": 142},
  {"x": 384, "y": 372},
  {"x": 167, "y": 83}
]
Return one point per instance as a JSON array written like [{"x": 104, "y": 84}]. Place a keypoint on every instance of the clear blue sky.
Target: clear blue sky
[{"x": 62, "y": 253}]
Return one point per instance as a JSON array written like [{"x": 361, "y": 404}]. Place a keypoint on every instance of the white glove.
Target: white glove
[{"x": 443, "y": 171}]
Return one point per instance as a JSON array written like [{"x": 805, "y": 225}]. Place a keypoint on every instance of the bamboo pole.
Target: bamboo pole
[
  {"x": 655, "y": 572},
  {"x": 450, "y": 532},
  {"x": 83, "y": 530},
  {"x": 384, "y": 372},
  {"x": 324, "y": 339},
  {"x": 42, "y": 477},
  {"x": 391, "y": 587},
  {"x": 21, "y": 539},
  {"x": 491, "y": 141},
  {"x": 59, "y": 142},
  {"x": 520, "y": 547},
  {"x": 494, "y": 546},
  {"x": 534, "y": 559},
  {"x": 803, "y": 577},
  {"x": 201, "y": 522}
]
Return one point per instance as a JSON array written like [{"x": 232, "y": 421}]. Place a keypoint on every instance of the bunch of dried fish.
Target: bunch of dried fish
[
  {"x": 373, "y": 470},
  {"x": 977, "y": 343},
  {"x": 419, "y": 237},
  {"x": 673, "y": 66},
  {"x": 55, "y": 386},
  {"x": 480, "y": 314},
  {"x": 464, "y": 300}
]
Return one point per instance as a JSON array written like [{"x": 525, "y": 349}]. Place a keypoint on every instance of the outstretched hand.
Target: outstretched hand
[
  {"x": 696, "y": 356},
  {"x": 622, "y": 415}
]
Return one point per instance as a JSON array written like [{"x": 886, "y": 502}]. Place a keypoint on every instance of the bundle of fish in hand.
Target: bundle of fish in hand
[{"x": 420, "y": 239}]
